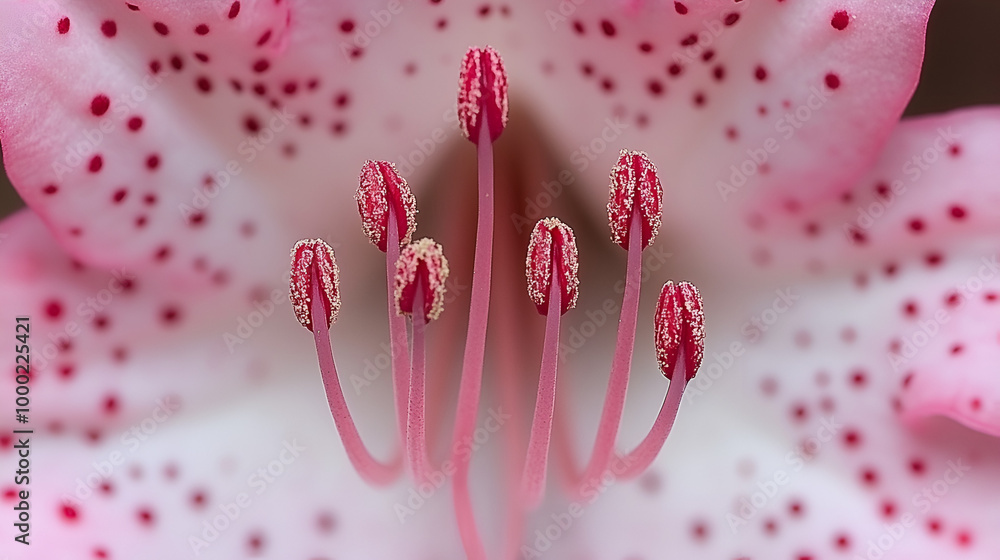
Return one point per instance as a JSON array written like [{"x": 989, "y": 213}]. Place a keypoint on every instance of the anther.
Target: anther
[
  {"x": 552, "y": 242},
  {"x": 379, "y": 187},
  {"x": 482, "y": 93},
  {"x": 421, "y": 263},
  {"x": 313, "y": 260},
  {"x": 634, "y": 186},
  {"x": 679, "y": 325}
]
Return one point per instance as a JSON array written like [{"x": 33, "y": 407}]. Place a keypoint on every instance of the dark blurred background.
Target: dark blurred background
[{"x": 962, "y": 67}]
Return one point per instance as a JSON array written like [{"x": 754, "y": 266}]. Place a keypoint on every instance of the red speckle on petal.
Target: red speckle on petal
[
  {"x": 760, "y": 73},
  {"x": 152, "y": 162},
  {"x": 162, "y": 254},
  {"x": 203, "y": 84},
  {"x": 170, "y": 315},
  {"x": 264, "y": 38},
  {"x": 99, "y": 105},
  {"x": 161, "y": 28},
  {"x": 832, "y": 81},
  {"x": 50, "y": 189},
  {"x": 261, "y": 65},
  {"x": 608, "y": 28},
  {"x": 234, "y": 10},
  {"x": 957, "y": 212},
  {"x": 681, "y": 8},
  {"x": 840, "y": 20},
  {"x": 201, "y": 29},
  {"x": 63, "y": 26},
  {"x": 70, "y": 513},
  {"x": 731, "y": 19},
  {"x": 96, "y": 163},
  {"x": 108, "y": 27},
  {"x": 135, "y": 123},
  {"x": 145, "y": 516}
]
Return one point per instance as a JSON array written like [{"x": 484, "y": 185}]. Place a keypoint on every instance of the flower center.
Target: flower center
[{"x": 416, "y": 275}]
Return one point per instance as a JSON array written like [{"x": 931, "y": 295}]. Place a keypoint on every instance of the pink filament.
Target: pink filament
[
  {"x": 416, "y": 430},
  {"x": 621, "y": 365},
  {"x": 475, "y": 349},
  {"x": 370, "y": 469},
  {"x": 536, "y": 462},
  {"x": 639, "y": 459},
  {"x": 397, "y": 328}
]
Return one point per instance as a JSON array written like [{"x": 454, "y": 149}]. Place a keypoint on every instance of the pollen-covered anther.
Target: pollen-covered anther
[
  {"x": 421, "y": 263},
  {"x": 379, "y": 187},
  {"x": 679, "y": 324},
  {"x": 482, "y": 93},
  {"x": 552, "y": 242},
  {"x": 634, "y": 185},
  {"x": 312, "y": 261}
]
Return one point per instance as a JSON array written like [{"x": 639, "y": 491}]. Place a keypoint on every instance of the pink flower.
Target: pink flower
[{"x": 172, "y": 152}]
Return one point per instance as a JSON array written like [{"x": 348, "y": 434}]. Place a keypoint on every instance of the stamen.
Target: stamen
[
  {"x": 384, "y": 198},
  {"x": 471, "y": 104},
  {"x": 552, "y": 265},
  {"x": 634, "y": 184},
  {"x": 679, "y": 326},
  {"x": 314, "y": 287},
  {"x": 635, "y": 203},
  {"x": 421, "y": 272},
  {"x": 482, "y": 94},
  {"x": 383, "y": 195}
]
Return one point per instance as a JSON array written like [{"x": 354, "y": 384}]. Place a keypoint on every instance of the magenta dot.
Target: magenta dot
[
  {"x": 109, "y": 28},
  {"x": 840, "y": 20},
  {"x": 53, "y": 309},
  {"x": 731, "y": 19},
  {"x": 99, "y": 105},
  {"x": 608, "y": 28},
  {"x": 347, "y": 26},
  {"x": 681, "y": 8},
  {"x": 135, "y": 123},
  {"x": 63, "y": 26},
  {"x": 161, "y": 28},
  {"x": 832, "y": 81},
  {"x": 96, "y": 163},
  {"x": 261, "y": 65},
  {"x": 234, "y": 10},
  {"x": 153, "y": 161},
  {"x": 760, "y": 73},
  {"x": 204, "y": 84},
  {"x": 201, "y": 29},
  {"x": 50, "y": 189}
]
